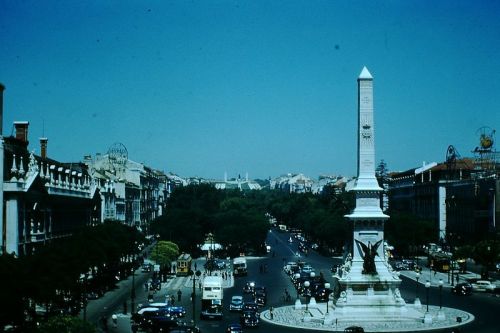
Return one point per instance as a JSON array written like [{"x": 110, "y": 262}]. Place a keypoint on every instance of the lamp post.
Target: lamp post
[
  {"x": 85, "y": 297},
  {"x": 307, "y": 284},
  {"x": 194, "y": 275},
  {"x": 440, "y": 293},
  {"x": 132, "y": 293},
  {"x": 327, "y": 286},
  {"x": 427, "y": 287}
]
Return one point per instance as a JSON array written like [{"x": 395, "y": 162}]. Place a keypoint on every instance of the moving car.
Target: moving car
[
  {"x": 249, "y": 318},
  {"x": 234, "y": 328},
  {"x": 463, "y": 288},
  {"x": 249, "y": 287},
  {"x": 251, "y": 306},
  {"x": 354, "y": 329},
  {"x": 483, "y": 285},
  {"x": 236, "y": 303}
]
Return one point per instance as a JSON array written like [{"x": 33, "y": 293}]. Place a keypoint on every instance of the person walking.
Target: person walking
[
  {"x": 179, "y": 294},
  {"x": 271, "y": 313}
]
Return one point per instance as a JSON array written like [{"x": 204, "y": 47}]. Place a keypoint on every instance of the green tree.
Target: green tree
[
  {"x": 66, "y": 324},
  {"x": 406, "y": 232},
  {"x": 486, "y": 253},
  {"x": 165, "y": 252}
]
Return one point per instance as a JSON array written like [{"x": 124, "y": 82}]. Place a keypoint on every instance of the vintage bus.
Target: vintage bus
[
  {"x": 183, "y": 265},
  {"x": 211, "y": 298}
]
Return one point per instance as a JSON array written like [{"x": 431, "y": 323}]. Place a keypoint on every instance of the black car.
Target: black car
[
  {"x": 185, "y": 329},
  {"x": 354, "y": 329},
  {"x": 322, "y": 294},
  {"x": 260, "y": 289},
  {"x": 249, "y": 318},
  {"x": 260, "y": 298},
  {"x": 234, "y": 328},
  {"x": 251, "y": 306},
  {"x": 162, "y": 324},
  {"x": 249, "y": 287},
  {"x": 464, "y": 288}
]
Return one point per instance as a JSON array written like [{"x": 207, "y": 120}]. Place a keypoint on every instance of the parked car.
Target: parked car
[
  {"x": 354, "y": 329},
  {"x": 464, "y": 288},
  {"x": 236, "y": 303}
]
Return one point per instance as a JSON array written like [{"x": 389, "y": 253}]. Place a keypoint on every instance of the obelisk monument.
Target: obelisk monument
[{"x": 369, "y": 284}]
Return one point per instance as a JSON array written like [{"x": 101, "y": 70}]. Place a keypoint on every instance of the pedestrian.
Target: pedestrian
[
  {"x": 146, "y": 286},
  {"x": 172, "y": 299},
  {"x": 124, "y": 307},
  {"x": 179, "y": 294},
  {"x": 199, "y": 285},
  {"x": 195, "y": 266},
  {"x": 271, "y": 314}
]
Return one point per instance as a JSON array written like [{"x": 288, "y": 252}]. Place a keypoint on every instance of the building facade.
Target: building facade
[
  {"x": 43, "y": 199},
  {"x": 460, "y": 199}
]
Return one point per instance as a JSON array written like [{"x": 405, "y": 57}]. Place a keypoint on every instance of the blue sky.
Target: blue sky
[{"x": 265, "y": 87}]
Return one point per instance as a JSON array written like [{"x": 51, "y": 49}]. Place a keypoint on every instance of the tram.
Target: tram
[{"x": 183, "y": 265}]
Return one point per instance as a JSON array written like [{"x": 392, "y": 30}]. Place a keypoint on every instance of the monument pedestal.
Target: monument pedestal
[
  {"x": 441, "y": 315},
  {"x": 417, "y": 304}
]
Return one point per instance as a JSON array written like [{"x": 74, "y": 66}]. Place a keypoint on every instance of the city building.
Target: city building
[
  {"x": 459, "y": 197},
  {"x": 237, "y": 184},
  {"x": 292, "y": 183},
  {"x": 130, "y": 191},
  {"x": 44, "y": 199}
]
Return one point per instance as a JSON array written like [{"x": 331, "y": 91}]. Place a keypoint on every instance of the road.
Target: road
[{"x": 484, "y": 307}]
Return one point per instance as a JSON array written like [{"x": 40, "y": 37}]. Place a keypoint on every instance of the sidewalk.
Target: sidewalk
[{"x": 426, "y": 274}]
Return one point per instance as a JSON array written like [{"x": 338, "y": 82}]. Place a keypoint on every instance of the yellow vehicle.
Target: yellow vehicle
[{"x": 183, "y": 265}]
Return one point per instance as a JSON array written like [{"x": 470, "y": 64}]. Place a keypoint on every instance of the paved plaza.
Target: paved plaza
[{"x": 318, "y": 319}]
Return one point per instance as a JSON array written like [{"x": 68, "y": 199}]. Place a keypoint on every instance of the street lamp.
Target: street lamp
[
  {"x": 307, "y": 284},
  {"x": 440, "y": 293},
  {"x": 132, "y": 293},
  {"x": 308, "y": 295},
  {"x": 194, "y": 275},
  {"x": 427, "y": 287},
  {"x": 327, "y": 286}
]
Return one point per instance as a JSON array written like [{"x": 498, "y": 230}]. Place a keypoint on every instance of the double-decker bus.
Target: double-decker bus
[{"x": 211, "y": 298}]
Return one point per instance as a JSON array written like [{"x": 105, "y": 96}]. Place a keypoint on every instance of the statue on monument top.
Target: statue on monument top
[{"x": 369, "y": 253}]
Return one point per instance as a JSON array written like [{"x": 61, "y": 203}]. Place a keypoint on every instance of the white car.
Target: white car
[
  {"x": 483, "y": 285},
  {"x": 236, "y": 303}
]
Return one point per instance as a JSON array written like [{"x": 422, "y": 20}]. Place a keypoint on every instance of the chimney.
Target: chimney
[
  {"x": 21, "y": 130},
  {"x": 2, "y": 88},
  {"x": 43, "y": 147}
]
